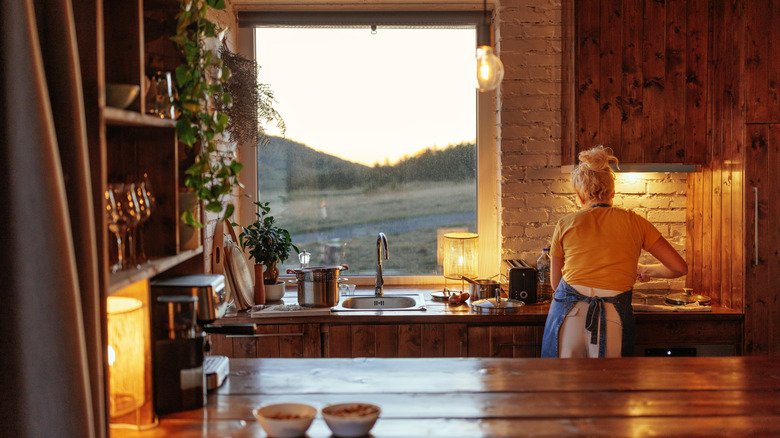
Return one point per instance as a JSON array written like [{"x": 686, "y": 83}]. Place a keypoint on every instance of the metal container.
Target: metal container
[
  {"x": 209, "y": 289},
  {"x": 318, "y": 286},
  {"x": 482, "y": 289}
]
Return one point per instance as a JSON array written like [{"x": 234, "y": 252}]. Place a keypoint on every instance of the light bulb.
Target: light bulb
[{"x": 490, "y": 69}]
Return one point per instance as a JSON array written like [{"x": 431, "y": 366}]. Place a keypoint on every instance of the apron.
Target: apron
[{"x": 566, "y": 297}]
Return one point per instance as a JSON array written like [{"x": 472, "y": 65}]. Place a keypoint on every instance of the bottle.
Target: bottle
[{"x": 543, "y": 276}]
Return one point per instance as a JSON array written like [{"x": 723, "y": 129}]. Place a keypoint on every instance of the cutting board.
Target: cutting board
[{"x": 276, "y": 311}]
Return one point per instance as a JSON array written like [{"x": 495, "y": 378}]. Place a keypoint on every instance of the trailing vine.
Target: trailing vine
[{"x": 201, "y": 83}]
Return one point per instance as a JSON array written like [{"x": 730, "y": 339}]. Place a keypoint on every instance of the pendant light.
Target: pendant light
[{"x": 490, "y": 69}]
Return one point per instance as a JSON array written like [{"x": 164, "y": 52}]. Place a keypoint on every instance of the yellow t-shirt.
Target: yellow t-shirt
[{"x": 601, "y": 246}]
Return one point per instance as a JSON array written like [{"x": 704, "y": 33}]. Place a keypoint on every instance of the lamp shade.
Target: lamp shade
[
  {"x": 125, "y": 355},
  {"x": 460, "y": 255}
]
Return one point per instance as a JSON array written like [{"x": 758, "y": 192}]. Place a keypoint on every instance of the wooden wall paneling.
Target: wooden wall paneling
[
  {"x": 696, "y": 80},
  {"x": 653, "y": 72},
  {"x": 633, "y": 82},
  {"x": 363, "y": 341},
  {"x": 123, "y": 39},
  {"x": 244, "y": 346},
  {"x": 339, "y": 341},
  {"x": 456, "y": 343},
  {"x": 568, "y": 103},
  {"x": 156, "y": 150},
  {"x": 220, "y": 345},
  {"x": 387, "y": 340},
  {"x": 675, "y": 54},
  {"x": 432, "y": 340},
  {"x": 763, "y": 62},
  {"x": 409, "y": 342},
  {"x": 479, "y": 341},
  {"x": 610, "y": 74},
  {"x": 587, "y": 66},
  {"x": 758, "y": 287}
]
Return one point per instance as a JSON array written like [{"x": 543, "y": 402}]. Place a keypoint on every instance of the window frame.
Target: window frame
[{"x": 488, "y": 219}]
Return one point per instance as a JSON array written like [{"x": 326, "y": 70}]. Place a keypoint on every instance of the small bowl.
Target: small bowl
[
  {"x": 285, "y": 420},
  {"x": 121, "y": 95},
  {"x": 350, "y": 419}
]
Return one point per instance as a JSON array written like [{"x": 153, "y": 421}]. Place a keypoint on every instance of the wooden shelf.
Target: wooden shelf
[
  {"x": 116, "y": 116},
  {"x": 127, "y": 277}
]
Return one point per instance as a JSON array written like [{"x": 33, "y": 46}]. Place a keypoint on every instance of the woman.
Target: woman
[{"x": 594, "y": 254}]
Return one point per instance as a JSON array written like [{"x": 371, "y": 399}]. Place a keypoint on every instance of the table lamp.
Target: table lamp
[
  {"x": 460, "y": 256},
  {"x": 125, "y": 318}
]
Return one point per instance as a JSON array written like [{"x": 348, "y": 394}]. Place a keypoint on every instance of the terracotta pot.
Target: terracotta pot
[{"x": 259, "y": 286}]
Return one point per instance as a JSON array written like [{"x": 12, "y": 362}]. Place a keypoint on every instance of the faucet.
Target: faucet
[{"x": 381, "y": 241}]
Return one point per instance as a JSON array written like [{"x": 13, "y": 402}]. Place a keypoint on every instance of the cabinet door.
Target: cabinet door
[
  {"x": 395, "y": 340},
  {"x": 505, "y": 341},
  {"x": 284, "y": 340},
  {"x": 639, "y": 73},
  {"x": 762, "y": 66},
  {"x": 762, "y": 230}
]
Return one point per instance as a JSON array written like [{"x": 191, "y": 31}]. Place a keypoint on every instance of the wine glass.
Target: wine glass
[
  {"x": 145, "y": 203},
  {"x": 123, "y": 213}
]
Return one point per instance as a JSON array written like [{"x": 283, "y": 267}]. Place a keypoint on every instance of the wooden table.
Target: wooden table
[{"x": 447, "y": 397}]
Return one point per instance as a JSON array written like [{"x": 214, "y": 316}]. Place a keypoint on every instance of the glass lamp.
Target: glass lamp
[
  {"x": 460, "y": 256},
  {"x": 490, "y": 69},
  {"x": 125, "y": 355}
]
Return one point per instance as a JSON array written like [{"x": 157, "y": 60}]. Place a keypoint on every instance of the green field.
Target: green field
[{"x": 412, "y": 251}]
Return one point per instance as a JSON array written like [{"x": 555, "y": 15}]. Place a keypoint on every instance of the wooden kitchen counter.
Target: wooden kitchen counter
[
  {"x": 476, "y": 397},
  {"x": 441, "y": 312},
  {"x": 443, "y": 330}
]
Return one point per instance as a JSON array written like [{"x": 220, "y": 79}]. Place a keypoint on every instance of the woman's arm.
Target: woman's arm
[
  {"x": 556, "y": 271},
  {"x": 672, "y": 264}
]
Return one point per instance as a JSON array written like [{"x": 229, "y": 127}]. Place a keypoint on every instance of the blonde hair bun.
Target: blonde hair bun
[
  {"x": 597, "y": 159},
  {"x": 593, "y": 179}
]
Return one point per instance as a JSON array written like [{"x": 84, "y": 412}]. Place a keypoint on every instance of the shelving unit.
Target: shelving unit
[{"x": 125, "y": 42}]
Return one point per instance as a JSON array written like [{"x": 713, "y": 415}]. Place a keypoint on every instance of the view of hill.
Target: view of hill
[{"x": 287, "y": 165}]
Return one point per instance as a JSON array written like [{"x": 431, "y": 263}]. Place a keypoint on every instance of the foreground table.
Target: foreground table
[{"x": 737, "y": 396}]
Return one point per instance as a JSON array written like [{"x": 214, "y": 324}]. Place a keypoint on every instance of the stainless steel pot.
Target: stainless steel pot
[
  {"x": 318, "y": 286},
  {"x": 482, "y": 289}
]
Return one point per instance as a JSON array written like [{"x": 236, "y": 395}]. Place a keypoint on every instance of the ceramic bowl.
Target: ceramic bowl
[
  {"x": 350, "y": 419},
  {"x": 121, "y": 95},
  {"x": 285, "y": 420},
  {"x": 274, "y": 292}
]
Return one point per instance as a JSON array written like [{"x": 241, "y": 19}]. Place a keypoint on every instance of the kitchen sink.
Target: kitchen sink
[{"x": 385, "y": 303}]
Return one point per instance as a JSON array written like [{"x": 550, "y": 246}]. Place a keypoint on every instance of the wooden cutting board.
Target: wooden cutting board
[{"x": 239, "y": 274}]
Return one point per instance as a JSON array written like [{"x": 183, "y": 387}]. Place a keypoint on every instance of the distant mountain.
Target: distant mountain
[{"x": 286, "y": 165}]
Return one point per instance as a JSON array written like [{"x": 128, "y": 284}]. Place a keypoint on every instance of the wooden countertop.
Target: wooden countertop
[
  {"x": 441, "y": 312},
  {"x": 447, "y": 397}
]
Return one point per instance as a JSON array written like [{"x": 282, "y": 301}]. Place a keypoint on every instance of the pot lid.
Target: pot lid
[
  {"x": 687, "y": 297},
  {"x": 318, "y": 268},
  {"x": 500, "y": 307}
]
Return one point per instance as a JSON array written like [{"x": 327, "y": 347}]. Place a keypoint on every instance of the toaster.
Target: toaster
[{"x": 522, "y": 282}]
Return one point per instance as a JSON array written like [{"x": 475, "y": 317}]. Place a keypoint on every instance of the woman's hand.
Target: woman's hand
[{"x": 643, "y": 273}]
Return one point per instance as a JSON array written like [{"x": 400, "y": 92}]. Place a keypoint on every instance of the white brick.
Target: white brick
[
  {"x": 635, "y": 187},
  {"x": 525, "y": 187},
  {"x": 545, "y": 173},
  {"x": 666, "y": 187},
  {"x": 666, "y": 215},
  {"x": 544, "y": 231},
  {"x": 550, "y": 201},
  {"x": 562, "y": 187}
]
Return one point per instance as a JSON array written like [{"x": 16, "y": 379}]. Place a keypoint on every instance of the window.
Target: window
[{"x": 381, "y": 137}]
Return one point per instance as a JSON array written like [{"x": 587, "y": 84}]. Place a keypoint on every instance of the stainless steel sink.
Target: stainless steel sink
[{"x": 386, "y": 303}]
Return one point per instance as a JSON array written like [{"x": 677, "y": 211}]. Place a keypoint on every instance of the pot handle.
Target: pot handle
[
  {"x": 292, "y": 271},
  {"x": 344, "y": 267}
]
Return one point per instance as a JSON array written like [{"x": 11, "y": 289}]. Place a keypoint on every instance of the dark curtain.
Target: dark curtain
[{"x": 50, "y": 338}]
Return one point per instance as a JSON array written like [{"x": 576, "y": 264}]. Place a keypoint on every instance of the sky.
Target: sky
[{"x": 371, "y": 98}]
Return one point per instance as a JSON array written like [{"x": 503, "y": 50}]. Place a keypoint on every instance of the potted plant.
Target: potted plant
[{"x": 267, "y": 244}]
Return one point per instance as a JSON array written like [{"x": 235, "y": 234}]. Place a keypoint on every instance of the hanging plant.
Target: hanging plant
[
  {"x": 253, "y": 101},
  {"x": 201, "y": 85}
]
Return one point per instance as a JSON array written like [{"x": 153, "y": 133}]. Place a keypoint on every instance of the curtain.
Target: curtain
[{"x": 50, "y": 338}]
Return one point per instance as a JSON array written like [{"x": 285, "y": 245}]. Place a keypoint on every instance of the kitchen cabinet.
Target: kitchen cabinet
[
  {"x": 394, "y": 340},
  {"x": 128, "y": 145},
  {"x": 505, "y": 340},
  {"x": 270, "y": 340},
  {"x": 635, "y": 78}
]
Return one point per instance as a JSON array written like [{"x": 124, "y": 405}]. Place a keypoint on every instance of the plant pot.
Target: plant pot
[
  {"x": 274, "y": 292},
  {"x": 259, "y": 286}
]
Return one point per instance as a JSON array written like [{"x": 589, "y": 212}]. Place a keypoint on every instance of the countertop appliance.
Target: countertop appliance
[{"x": 522, "y": 282}]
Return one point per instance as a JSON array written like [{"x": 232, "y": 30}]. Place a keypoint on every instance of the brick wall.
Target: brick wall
[{"x": 535, "y": 193}]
